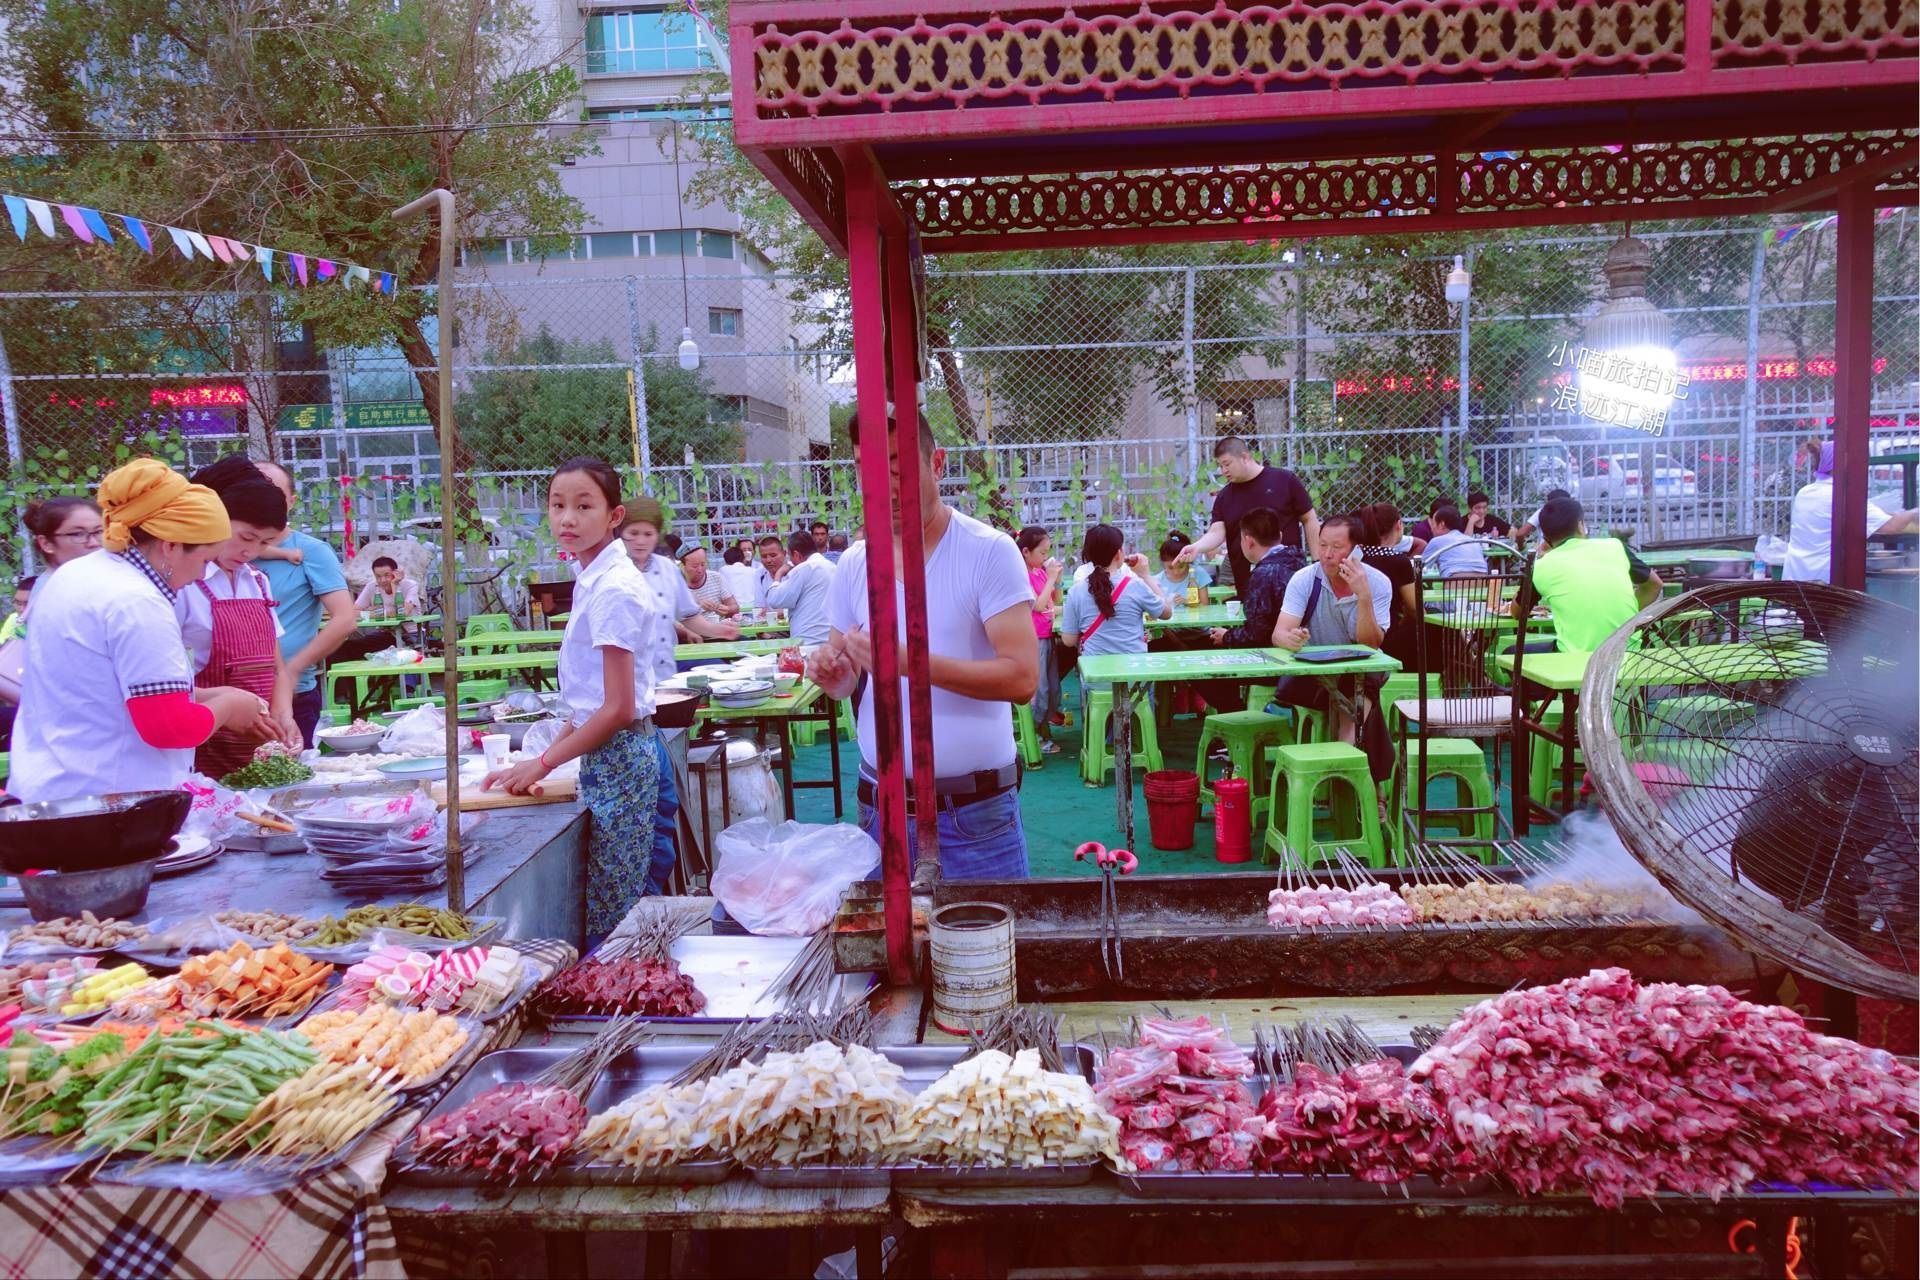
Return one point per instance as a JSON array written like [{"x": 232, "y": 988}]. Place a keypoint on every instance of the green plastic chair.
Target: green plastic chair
[
  {"x": 1302, "y": 771},
  {"x": 1462, "y": 760},
  {"x": 1095, "y": 761},
  {"x": 1247, "y": 735},
  {"x": 479, "y": 624},
  {"x": 1026, "y": 736}
]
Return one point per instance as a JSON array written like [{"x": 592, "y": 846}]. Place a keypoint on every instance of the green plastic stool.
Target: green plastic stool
[
  {"x": 1704, "y": 715},
  {"x": 1095, "y": 762},
  {"x": 1353, "y": 806},
  {"x": 482, "y": 690},
  {"x": 807, "y": 732},
  {"x": 1026, "y": 735},
  {"x": 1247, "y": 735},
  {"x": 1543, "y": 764},
  {"x": 1462, "y": 760}
]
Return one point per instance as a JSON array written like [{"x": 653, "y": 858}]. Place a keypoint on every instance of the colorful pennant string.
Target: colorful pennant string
[{"x": 91, "y": 225}]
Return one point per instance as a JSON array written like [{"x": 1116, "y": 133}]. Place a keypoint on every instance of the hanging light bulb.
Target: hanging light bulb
[
  {"x": 1459, "y": 281},
  {"x": 689, "y": 350},
  {"x": 1632, "y": 339}
]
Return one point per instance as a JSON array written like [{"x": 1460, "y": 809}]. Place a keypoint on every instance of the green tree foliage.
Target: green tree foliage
[
  {"x": 297, "y": 126},
  {"x": 522, "y": 418}
]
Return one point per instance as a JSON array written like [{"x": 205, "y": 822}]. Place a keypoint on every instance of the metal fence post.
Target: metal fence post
[
  {"x": 337, "y": 406},
  {"x": 1750, "y": 395},
  {"x": 16, "y": 461},
  {"x": 642, "y": 432},
  {"x": 1191, "y": 388},
  {"x": 1465, "y": 390}
]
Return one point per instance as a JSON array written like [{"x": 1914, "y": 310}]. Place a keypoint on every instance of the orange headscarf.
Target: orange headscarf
[{"x": 150, "y": 495}]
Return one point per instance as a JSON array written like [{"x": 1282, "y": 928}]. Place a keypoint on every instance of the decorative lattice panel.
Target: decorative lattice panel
[
  {"x": 1326, "y": 190},
  {"x": 1746, "y": 32},
  {"x": 801, "y": 68}
]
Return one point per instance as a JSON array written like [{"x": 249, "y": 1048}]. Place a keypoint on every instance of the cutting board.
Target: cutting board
[{"x": 472, "y": 799}]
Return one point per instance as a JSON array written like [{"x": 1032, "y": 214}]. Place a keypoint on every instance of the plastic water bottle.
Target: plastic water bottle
[{"x": 1760, "y": 571}]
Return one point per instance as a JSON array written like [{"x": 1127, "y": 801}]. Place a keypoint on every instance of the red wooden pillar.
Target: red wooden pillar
[
  {"x": 1852, "y": 383},
  {"x": 865, "y": 248},
  {"x": 903, "y": 336}
]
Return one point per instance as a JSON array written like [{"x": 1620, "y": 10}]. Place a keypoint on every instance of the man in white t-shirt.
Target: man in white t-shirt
[
  {"x": 801, "y": 589},
  {"x": 1810, "y": 537},
  {"x": 982, "y": 658},
  {"x": 742, "y": 577}
]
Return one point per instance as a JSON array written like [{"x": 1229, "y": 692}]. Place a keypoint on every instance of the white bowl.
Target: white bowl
[{"x": 338, "y": 739}]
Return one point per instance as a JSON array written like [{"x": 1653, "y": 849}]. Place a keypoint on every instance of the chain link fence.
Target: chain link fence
[{"x": 1089, "y": 389}]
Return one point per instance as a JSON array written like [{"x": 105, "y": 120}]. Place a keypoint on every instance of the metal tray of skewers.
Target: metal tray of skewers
[
  {"x": 239, "y": 1175},
  {"x": 523, "y": 986},
  {"x": 923, "y": 1064},
  {"x": 638, "y": 1069}
]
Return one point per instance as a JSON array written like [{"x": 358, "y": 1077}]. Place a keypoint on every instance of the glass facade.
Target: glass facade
[{"x": 644, "y": 40}]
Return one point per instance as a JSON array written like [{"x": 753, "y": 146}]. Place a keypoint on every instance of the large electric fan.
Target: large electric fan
[{"x": 1755, "y": 745}]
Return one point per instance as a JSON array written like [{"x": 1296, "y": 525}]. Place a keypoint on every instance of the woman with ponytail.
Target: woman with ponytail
[{"x": 1108, "y": 611}]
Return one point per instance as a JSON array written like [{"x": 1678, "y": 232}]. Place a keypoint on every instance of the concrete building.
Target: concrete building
[{"x": 690, "y": 267}]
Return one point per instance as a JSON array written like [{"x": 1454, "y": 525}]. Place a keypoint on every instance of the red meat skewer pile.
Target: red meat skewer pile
[
  {"x": 1369, "y": 1121},
  {"x": 653, "y": 988},
  {"x": 1181, "y": 1098},
  {"x": 516, "y": 1128},
  {"x": 1604, "y": 1085}
]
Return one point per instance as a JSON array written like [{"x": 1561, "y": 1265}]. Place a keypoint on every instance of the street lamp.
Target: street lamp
[
  {"x": 442, "y": 199},
  {"x": 689, "y": 349},
  {"x": 1632, "y": 337}
]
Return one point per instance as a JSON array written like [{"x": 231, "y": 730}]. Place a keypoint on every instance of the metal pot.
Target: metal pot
[
  {"x": 750, "y": 791},
  {"x": 115, "y": 892},
  {"x": 676, "y": 709},
  {"x": 87, "y": 833}
]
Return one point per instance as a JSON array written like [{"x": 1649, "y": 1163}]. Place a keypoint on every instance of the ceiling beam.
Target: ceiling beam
[{"x": 1826, "y": 189}]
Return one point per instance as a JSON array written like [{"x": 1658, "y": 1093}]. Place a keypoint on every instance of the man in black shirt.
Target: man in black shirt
[
  {"x": 1251, "y": 486},
  {"x": 1481, "y": 522}
]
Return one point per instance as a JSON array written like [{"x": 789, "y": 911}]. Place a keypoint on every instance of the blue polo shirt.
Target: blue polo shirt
[{"x": 297, "y": 588}]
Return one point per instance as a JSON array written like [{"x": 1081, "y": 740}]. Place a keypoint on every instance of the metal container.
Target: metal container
[
  {"x": 89, "y": 833},
  {"x": 970, "y": 945},
  {"x": 114, "y": 892},
  {"x": 738, "y": 783}
]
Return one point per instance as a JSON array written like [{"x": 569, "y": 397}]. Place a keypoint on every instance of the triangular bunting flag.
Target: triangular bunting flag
[
  {"x": 386, "y": 282},
  {"x": 138, "y": 230},
  {"x": 183, "y": 242},
  {"x": 70, "y": 214},
  {"x": 264, "y": 256},
  {"x": 360, "y": 274},
  {"x": 17, "y": 211},
  {"x": 239, "y": 251},
  {"x": 96, "y": 223},
  {"x": 299, "y": 266},
  {"x": 220, "y": 250},
  {"x": 42, "y": 215},
  {"x": 200, "y": 243},
  {"x": 326, "y": 268}
]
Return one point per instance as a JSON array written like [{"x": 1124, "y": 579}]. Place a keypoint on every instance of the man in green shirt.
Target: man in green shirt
[{"x": 1593, "y": 585}]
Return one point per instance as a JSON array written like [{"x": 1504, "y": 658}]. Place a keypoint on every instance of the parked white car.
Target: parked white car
[{"x": 1617, "y": 476}]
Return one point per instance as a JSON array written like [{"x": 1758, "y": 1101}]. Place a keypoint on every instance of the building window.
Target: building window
[
  {"x": 723, "y": 322},
  {"x": 488, "y": 251},
  {"x": 643, "y": 41},
  {"x": 611, "y": 244},
  {"x": 716, "y": 244},
  {"x": 660, "y": 111},
  {"x": 667, "y": 244}
]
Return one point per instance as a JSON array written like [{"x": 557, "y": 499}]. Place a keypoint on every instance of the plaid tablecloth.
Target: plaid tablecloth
[{"x": 330, "y": 1225}]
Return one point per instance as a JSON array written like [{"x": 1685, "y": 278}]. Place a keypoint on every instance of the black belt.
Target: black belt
[{"x": 968, "y": 788}]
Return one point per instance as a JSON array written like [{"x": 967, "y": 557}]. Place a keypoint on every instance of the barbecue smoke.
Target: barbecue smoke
[{"x": 1588, "y": 849}]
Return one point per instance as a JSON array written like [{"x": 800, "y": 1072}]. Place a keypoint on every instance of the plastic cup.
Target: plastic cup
[
  {"x": 494, "y": 748},
  {"x": 1234, "y": 610}
]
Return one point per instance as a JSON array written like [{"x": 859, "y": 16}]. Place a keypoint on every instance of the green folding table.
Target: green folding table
[
  {"x": 1210, "y": 615},
  {"x": 1124, "y": 671},
  {"x": 724, "y": 650},
  {"x": 780, "y": 712}
]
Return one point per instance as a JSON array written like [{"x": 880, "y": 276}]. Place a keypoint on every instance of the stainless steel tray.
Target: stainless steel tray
[
  {"x": 1047, "y": 1175},
  {"x": 506, "y": 1066},
  {"x": 824, "y": 1175},
  {"x": 346, "y": 953},
  {"x": 476, "y": 1037},
  {"x": 1285, "y": 1186},
  {"x": 733, "y": 973},
  {"x": 530, "y": 977},
  {"x": 39, "y": 1161}
]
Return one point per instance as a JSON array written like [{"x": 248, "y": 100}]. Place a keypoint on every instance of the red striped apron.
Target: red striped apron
[{"x": 245, "y": 654}]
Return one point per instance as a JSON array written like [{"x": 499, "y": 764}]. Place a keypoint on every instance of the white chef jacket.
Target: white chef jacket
[
  {"x": 103, "y": 632},
  {"x": 676, "y": 601},
  {"x": 1810, "y": 538},
  {"x": 613, "y": 607}
]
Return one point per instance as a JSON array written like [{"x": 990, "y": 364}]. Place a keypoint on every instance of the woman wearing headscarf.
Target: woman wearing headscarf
[
  {"x": 227, "y": 618},
  {"x": 1810, "y": 537},
  {"x": 109, "y": 703}
]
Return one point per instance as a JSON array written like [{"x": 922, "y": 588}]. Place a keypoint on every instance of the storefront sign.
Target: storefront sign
[{"x": 381, "y": 415}]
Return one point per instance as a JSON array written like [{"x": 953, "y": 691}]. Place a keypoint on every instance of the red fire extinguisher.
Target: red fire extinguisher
[{"x": 1232, "y": 821}]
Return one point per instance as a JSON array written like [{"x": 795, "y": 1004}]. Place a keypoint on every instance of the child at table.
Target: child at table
[
  {"x": 390, "y": 594},
  {"x": 606, "y": 682},
  {"x": 1107, "y": 611},
  {"x": 1177, "y": 576}
]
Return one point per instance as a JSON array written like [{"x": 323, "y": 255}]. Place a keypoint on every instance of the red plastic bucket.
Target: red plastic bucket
[
  {"x": 1173, "y": 807},
  {"x": 1232, "y": 821}
]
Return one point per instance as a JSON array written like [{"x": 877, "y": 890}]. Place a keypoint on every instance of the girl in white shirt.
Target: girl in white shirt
[{"x": 606, "y": 681}]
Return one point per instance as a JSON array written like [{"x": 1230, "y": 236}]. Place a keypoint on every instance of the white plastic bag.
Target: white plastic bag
[
  {"x": 420, "y": 732},
  {"x": 216, "y": 810},
  {"x": 787, "y": 880}
]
